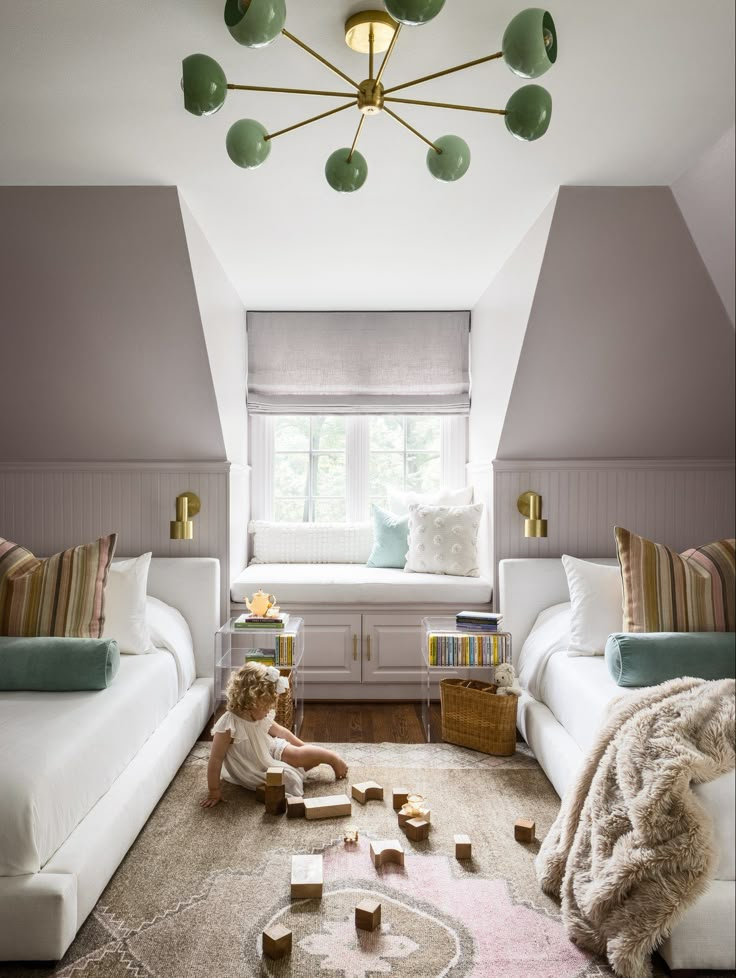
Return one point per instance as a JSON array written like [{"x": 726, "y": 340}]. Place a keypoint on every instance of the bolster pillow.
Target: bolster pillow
[
  {"x": 57, "y": 664},
  {"x": 654, "y": 657}
]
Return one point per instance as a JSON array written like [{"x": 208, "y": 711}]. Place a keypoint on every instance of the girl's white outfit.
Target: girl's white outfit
[{"x": 253, "y": 751}]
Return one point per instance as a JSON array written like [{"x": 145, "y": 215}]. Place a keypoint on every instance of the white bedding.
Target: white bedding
[{"x": 60, "y": 752}]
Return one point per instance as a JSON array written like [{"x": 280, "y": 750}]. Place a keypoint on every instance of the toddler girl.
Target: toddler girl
[{"x": 247, "y": 740}]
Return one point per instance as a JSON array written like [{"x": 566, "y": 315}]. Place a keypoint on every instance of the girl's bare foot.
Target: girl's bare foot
[{"x": 340, "y": 768}]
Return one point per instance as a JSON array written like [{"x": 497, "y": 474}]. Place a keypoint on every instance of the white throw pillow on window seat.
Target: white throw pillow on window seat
[
  {"x": 310, "y": 543},
  {"x": 399, "y": 502},
  {"x": 444, "y": 540}
]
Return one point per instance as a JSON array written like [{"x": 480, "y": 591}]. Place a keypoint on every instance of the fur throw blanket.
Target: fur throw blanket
[{"x": 632, "y": 847}]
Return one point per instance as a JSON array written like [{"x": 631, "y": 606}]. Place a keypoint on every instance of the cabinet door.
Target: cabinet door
[
  {"x": 331, "y": 648},
  {"x": 392, "y": 648}
]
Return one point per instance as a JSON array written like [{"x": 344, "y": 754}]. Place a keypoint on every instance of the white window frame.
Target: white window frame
[{"x": 453, "y": 459}]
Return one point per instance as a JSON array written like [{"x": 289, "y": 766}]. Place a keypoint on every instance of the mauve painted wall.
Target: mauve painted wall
[
  {"x": 628, "y": 352},
  {"x": 102, "y": 351},
  {"x": 706, "y": 194}
]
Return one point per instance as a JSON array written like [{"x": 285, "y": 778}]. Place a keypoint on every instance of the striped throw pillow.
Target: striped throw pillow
[
  {"x": 669, "y": 592},
  {"x": 61, "y": 595}
]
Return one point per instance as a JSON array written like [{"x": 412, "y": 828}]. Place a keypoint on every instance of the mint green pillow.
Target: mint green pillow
[
  {"x": 650, "y": 658},
  {"x": 390, "y": 539},
  {"x": 57, "y": 664}
]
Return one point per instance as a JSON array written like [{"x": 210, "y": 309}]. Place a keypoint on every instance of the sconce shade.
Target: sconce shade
[
  {"x": 344, "y": 176},
  {"x": 528, "y": 112},
  {"x": 246, "y": 143},
  {"x": 257, "y": 23},
  {"x": 413, "y": 13},
  {"x": 204, "y": 84},
  {"x": 453, "y": 162},
  {"x": 530, "y": 43}
]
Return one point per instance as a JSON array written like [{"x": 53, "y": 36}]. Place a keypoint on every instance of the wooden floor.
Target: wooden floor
[{"x": 365, "y": 723}]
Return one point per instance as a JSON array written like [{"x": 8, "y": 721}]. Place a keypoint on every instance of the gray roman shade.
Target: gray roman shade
[{"x": 358, "y": 362}]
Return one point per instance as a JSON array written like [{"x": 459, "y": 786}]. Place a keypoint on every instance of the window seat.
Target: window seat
[{"x": 356, "y": 584}]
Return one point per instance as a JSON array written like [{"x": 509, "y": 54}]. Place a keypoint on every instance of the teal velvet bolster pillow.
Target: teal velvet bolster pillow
[
  {"x": 57, "y": 664},
  {"x": 390, "y": 539},
  {"x": 654, "y": 657}
]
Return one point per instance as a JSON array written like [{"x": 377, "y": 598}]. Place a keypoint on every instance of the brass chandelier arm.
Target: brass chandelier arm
[
  {"x": 406, "y": 125},
  {"x": 357, "y": 137},
  {"x": 371, "y": 42},
  {"x": 447, "y": 71},
  {"x": 314, "y": 118},
  {"x": 388, "y": 53},
  {"x": 447, "y": 105},
  {"x": 289, "y": 91},
  {"x": 324, "y": 61}
]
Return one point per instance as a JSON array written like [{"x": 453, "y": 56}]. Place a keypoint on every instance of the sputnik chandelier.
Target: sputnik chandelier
[{"x": 529, "y": 48}]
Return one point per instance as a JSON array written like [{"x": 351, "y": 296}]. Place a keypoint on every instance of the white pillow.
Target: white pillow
[
  {"x": 596, "y": 595},
  {"x": 399, "y": 502},
  {"x": 310, "y": 543},
  {"x": 444, "y": 540},
  {"x": 169, "y": 630},
  {"x": 550, "y": 634},
  {"x": 125, "y": 605}
]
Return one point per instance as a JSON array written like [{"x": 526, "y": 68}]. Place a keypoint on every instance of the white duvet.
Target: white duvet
[{"x": 61, "y": 752}]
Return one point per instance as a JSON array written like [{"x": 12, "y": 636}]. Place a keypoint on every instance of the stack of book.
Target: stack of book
[
  {"x": 477, "y": 621},
  {"x": 266, "y": 657},
  {"x": 255, "y": 622},
  {"x": 452, "y": 649}
]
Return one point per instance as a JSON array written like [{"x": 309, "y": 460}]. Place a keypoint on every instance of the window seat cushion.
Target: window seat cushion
[{"x": 356, "y": 584}]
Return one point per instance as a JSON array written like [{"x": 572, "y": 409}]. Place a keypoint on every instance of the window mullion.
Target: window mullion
[
  {"x": 453, "y": 451},
  {"x": 357, "y": 463}
]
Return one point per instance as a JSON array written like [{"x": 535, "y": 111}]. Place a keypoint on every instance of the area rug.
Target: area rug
[{"x": 193, "y": 895}]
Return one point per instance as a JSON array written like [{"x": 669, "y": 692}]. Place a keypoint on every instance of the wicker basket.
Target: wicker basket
[
  {"x": 473, "y": 716},
  {"x": 285, "y": 702}
]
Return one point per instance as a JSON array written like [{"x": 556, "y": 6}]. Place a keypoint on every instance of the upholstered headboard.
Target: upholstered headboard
[{"x": 528, "y": 585}]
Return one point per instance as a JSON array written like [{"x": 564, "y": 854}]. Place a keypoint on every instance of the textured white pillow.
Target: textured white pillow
[
  {"x": 125, "y": 605},
  {"x": 311, "y": 543},
  {"x": 399, "y": 502},
  {"x": 596, "y": 595},
  {"x": 444, "y": 540}
]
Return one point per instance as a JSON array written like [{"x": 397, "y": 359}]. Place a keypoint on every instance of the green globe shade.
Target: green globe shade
[
  {"x": 528, "y": 112},
  {"x": 343, "y": 176},
  {"x": 453, "y": 162},
  {"x": 246, "y": 143},
  {"x": 256, "y": 23},
  {"x": 413, "y": 12},
  {"x": 203, "y": 83},
  {"x": 530, "y": 43}
]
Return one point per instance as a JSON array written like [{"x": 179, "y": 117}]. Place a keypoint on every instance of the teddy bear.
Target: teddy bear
[{"x": 506, "y": 680}]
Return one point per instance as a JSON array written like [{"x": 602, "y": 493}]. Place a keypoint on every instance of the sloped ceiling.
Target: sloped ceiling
[
  {"x": 628, "y": 351},
  {"x": 93, "y": 97},
  {"x": 102, "y": 349}
]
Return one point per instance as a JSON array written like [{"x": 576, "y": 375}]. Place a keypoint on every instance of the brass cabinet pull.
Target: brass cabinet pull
[
  {"x": 355, "y": 647},
  {"x": 368, "y": 642}
]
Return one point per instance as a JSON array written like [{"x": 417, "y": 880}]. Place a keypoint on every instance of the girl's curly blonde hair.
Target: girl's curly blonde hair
[{"x": 248, "y": 687}]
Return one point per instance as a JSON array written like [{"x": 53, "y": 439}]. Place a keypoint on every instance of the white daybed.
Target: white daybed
[
  {"x": 561, "y": 726},
  {"x": 80, "y": 772}
]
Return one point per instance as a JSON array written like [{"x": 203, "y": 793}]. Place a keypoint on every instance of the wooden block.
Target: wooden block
[
  {"x": 275, "y": 799},
  {"x": 328, "y": 806},
  {"x": 276, "y": 941},
  {"x": 261, "y": 793},
  {"x": 417, "y": 829},
  {"x": 399, "y": 796},
  {"x": 463, "y": 847},
  {"x": 388, "y": 851},
  {"x": 294, "y": 807},
  {"x": 275, "y": 775},
  {"x": 524, "y": 829},
  {"x": 368, "y": 915},
  {"x": 351, "y": 837},
  {"x": 306, "y": 877},
  {"x": 403, "y": 819},
  {"x": 367, "y": 791}
]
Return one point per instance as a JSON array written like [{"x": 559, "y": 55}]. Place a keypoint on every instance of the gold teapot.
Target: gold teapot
[{"x": 260, "y": 604}]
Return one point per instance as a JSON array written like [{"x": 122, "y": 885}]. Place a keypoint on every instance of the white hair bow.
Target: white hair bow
[{"x": 282, "y": 683}]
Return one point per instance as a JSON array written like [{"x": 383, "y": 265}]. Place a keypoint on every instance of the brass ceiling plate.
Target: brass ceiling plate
[
  {"x": 358, "y": 31},
  {"x": 193, "y": 503},
  {"x": 522, "y": 503}
]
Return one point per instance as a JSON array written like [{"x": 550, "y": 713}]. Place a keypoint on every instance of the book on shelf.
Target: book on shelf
[
  {"x": 467, "y": 650},
  {"x": 266, "y": 657},
  {"x": 275, "y": 622}
]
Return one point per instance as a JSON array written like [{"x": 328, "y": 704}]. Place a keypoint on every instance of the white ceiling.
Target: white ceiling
[{"x": 91, "y": 96}]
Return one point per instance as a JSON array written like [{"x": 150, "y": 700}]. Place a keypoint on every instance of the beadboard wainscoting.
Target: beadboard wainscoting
[
  {"x": 50, "y": 506},
  {"x": 682, "y": 503}
]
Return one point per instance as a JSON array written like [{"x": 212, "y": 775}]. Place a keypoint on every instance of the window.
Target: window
[{"x": 330, "y": 468}]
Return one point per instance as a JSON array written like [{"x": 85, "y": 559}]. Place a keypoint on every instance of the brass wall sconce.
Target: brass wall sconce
[
  {"x": 529, "y": 505},
  {"x": 187, "y": 506}
]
